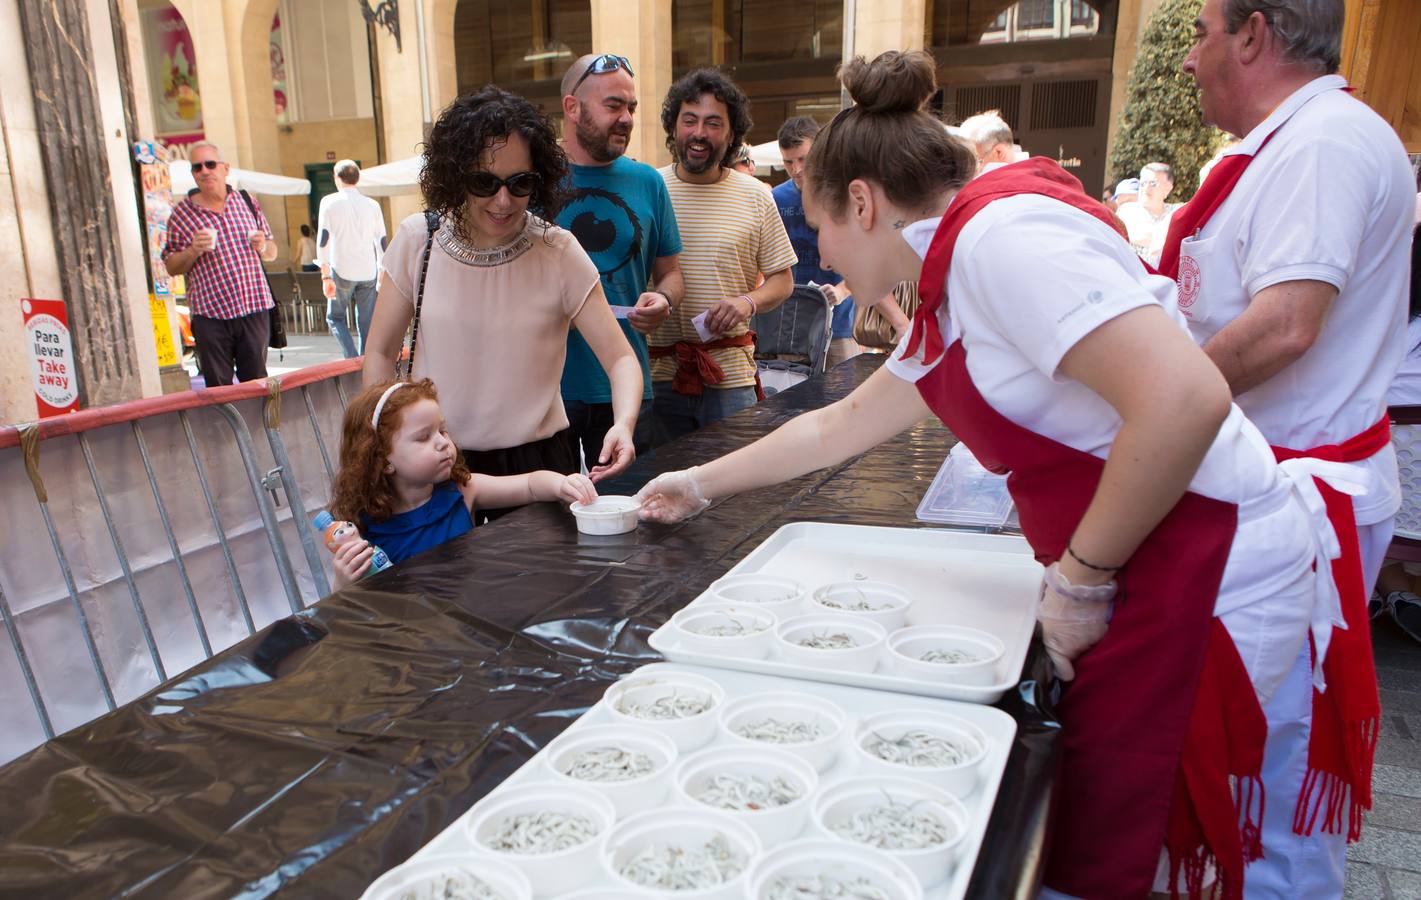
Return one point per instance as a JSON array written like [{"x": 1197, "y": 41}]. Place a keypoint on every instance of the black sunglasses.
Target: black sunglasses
[
  {"x": 607, "y": 62},
  {"x": 520, "y": 184},
  {"x": 209, "y": 164}
]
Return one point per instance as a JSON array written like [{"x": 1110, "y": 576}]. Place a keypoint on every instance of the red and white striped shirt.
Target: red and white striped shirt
[{"x": 227, "y": 282}]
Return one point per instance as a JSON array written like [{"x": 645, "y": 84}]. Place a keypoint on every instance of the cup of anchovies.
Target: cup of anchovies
[
  {"x": 769, "y": 789},
  {"x": 947, "y": 653},
  {"x": 551, "y": 832},
  {"x": 824, "y": 868},
  {"x": 784, "y": 597},
  {"x": 939, "y": 748},
  {"x": 451, "y": 875},
  {"x": 699, "y": 854},
  {"x": 679, "y": 705},
  {"x": 631, "y": 766},
  {"x": 875, "y": 601},
  {"x": 830, "y": 642},
  {"x": 742, "y": 632},
  {"x": 808, "y": 726},
  {"x": 921, "y": 825}
]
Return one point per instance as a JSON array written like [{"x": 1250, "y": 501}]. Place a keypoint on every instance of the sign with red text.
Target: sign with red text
[{"x": 51, "y": 356}]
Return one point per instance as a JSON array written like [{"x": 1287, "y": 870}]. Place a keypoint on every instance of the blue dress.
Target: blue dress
[{"x": 441, "y": 518}]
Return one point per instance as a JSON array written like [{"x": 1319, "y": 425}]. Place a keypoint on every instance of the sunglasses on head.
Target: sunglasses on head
[
  {"x": 607, "y": 62},
  {"x": 208, "y": 164},
  {"x": 520, "y": 184}
]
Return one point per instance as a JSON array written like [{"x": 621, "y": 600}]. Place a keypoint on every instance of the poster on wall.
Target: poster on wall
[
  {"x": 172, "y": 77},
  {"x": 278, "y": 71},
  {"x": 157, "y": 207}
]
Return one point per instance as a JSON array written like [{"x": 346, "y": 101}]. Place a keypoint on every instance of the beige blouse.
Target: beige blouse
[{"x": 493, "y": 337}]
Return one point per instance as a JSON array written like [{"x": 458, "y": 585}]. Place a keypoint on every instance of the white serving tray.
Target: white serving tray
[
  {"x": 986, "y": 581},
  {"x": 856, "y": 703}
]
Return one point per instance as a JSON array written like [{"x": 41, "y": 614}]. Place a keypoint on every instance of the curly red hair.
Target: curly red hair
[{"x": 362, "y": 487}]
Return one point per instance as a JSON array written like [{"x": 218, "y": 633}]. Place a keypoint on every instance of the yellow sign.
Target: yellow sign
[{"x": 162, "y": 332}]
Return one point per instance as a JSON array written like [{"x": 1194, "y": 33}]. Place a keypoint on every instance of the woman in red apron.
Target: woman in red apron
[{"x": 1180, "y": 555}]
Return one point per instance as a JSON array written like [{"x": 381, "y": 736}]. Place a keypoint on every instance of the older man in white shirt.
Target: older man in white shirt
[{"x": 351, "y": 239}]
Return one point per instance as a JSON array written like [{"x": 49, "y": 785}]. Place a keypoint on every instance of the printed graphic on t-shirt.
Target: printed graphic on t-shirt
[{"x": 605, "y": 226}]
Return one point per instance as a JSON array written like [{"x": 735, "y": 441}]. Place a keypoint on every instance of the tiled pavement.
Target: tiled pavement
[{"x": 1386, "y": 863}]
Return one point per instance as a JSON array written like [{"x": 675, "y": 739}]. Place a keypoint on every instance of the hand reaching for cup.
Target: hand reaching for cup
[{"x": 672, "y": 497}]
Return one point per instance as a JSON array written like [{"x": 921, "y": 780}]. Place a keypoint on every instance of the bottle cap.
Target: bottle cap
[{"x": 322, "y": 520}]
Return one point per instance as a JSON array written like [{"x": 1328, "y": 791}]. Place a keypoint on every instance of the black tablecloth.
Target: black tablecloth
[{"x": 329, "y": 747}]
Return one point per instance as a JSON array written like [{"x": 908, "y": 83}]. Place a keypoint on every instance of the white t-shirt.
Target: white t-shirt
[
  {"x": 1405, "y": 388},
  {"x": 351, "y": 234},
  {"x": 1018, "y": 321},
  {"x": 1330, "y": 198},
  {"x": 1147, "y": 233}
]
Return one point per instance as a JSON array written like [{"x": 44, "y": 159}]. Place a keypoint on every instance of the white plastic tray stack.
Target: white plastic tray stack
[{"x": 936, "y": 617}]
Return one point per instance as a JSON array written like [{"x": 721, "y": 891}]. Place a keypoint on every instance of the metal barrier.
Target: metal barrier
[{"x": 174, "y": 628}]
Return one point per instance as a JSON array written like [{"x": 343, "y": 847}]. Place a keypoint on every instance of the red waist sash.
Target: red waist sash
[{"x": 696, "y": 368}]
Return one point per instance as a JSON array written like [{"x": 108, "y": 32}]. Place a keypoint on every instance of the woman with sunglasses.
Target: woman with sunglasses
[{"x": 496, "y": 288}]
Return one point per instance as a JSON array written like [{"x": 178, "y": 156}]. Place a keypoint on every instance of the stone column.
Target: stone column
[
  {"x": 878, "y": 27},
  {"x": 401, "y": 98},
  {"x": 66, "y": 68},
  {"x": 1130, "y": 25},
  {"x": 641, "y": 31}
]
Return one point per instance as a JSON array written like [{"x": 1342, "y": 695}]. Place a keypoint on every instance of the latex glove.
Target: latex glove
[
  {"x": 351, "y": 560},
  {"x": 650, "y": 311},
  {"x": 577, "y": 489},
  {"x": 617, "y": 453},
  {"x": 672, "y": 497},
  {"x": 1073, "y": 619}
]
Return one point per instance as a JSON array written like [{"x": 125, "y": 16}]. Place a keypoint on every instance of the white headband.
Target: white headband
[{"x": 375, "y": 419}]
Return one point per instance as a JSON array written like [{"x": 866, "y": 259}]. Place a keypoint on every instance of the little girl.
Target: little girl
[{"x": 404, "y": 484}]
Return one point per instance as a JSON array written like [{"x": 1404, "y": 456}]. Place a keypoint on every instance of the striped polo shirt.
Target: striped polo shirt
[{"x": 731, "y": 232}]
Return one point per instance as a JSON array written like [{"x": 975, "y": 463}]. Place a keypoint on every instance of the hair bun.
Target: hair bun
[{"x": 896, "y": 81}]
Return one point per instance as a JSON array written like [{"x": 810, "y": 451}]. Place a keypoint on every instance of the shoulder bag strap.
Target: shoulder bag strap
[{"x": 431, "y": 221}]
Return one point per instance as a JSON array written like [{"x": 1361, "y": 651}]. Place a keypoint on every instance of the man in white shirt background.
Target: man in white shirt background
[
  {"x": 351, "y": 239},
  {"x": 1147, "y": 219},
  {"x": 990, "y": 134},
  {"x": 1296, "y": 287}
]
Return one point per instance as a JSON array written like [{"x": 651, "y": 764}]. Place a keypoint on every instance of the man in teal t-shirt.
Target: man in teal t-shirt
[{"x": 620, "y": 212}]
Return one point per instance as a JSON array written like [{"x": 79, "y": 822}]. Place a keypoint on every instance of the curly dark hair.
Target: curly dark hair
[
  {"x": 362, "y": 487},
  {"x": 469, "y": 126},
  {"x": 716, "y": 83}
]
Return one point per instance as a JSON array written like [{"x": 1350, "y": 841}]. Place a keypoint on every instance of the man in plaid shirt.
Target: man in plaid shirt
[{"x": 219, "y": 242}]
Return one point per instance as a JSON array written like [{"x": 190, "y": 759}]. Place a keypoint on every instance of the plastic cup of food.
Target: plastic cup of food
[
  {"x": 942, "y": 749},
  {"x": 773, "y": 593},
  {"x": 821, "y": 867},
  {"x": 551, "y": 832},
  {"x": 767, "y": 789},
  {"x": 915, "y": 823},
  {"x": 434, "y": 876},
  {"x": 629, "y": 766},
  {"x": 609, "y": 514},
  {"x": 946, "y": 653},
  {"x": 831, "y": 642},
  {"x": 874, "y": 601},
  {"x": 810, "y": 727},
  {"x": 684, "y": 853},
  {"x": 743, "y": 632},
  {"x": 210, "y": 232},
  {"x": 679, "y": 705}
]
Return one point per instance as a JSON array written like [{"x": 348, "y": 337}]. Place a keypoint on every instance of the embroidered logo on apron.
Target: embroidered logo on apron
[{"x": 1188, "y": 283}]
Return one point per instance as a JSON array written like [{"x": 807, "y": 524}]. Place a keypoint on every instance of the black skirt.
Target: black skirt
[{"x": 554, "y": 453}]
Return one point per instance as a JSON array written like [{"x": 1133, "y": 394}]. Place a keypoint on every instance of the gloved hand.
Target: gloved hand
[
  {"x": 672, "y": 497},
  {"x": 1073, "y": 618}
]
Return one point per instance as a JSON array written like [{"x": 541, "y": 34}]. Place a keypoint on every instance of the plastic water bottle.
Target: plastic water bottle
[{"x": 337, "y": 532}]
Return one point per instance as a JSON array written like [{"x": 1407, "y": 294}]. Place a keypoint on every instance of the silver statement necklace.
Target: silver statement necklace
[{"x": 485, "y": 257}]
